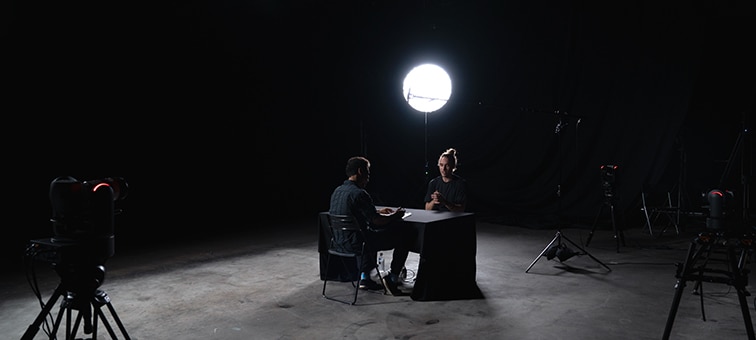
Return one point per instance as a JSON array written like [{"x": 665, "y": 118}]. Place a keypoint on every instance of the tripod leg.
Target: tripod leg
[
  {"x": 99, "y": 314},
  {"x": 32, "y": 330},
  {"x": 740, "y": 281},
  {"x": 64, "y": 310},
  {"x": 71, "y": 332},
  {"x": 618, "y": 235},
  {"x": 556, "y": 238},
  {"x": 746, "y": 313},
  {"x": 679, "y": 287},
  {"x": 107, "y": 325},
  {"x": 587, "y": 253},
  {"x": 595, "y": 222},
  {"x": 701, "y": 297},
  {"x": 102, "y": 298}
]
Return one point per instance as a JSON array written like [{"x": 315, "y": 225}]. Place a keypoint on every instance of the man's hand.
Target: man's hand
[
  {"x": 385, "y": 211},
  {"x": 438, "y": 198}
]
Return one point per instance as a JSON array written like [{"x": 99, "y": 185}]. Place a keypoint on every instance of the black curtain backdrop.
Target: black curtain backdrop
[{"x": 222, "y": 115}]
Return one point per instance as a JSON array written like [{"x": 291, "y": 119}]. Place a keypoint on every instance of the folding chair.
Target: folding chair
[
  {"x": 668, "y": 210},
  {"x": 347, "y": 243}
]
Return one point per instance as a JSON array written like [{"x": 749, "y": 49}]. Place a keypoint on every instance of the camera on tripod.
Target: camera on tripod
[{"x": 83, "y": 221}]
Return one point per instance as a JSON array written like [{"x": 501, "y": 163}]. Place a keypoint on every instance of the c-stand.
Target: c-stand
[
  {"x": 703, "y": 250},
  {"x": 556, "y": 245}
]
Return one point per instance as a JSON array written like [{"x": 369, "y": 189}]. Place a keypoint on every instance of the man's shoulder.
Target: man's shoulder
[
  {"x": 347, "y": 185},
  {"x": 350, "y": 189},
  {"x": 436, "y": 179}
]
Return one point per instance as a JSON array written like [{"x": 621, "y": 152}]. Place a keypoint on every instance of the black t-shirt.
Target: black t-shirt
[{"x": 455, "y": 191}]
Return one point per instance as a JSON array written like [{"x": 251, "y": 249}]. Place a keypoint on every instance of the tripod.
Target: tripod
[
  {"x": 81, "y": 303},
  {"x": 619, "y": 236},
  {"x": 559, "y": 236},
  {"x": 734, "y": 274}
]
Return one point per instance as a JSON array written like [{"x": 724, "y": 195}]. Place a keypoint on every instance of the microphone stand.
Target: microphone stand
[{"x": 556, "y": 242}]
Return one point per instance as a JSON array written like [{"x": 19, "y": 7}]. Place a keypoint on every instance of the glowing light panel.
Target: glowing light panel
[{"x": 427, "y": 88}]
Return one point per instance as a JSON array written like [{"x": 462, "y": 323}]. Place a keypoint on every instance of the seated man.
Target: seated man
[
  {"x": 382, "y": 228},
  {"x": 448, "y": 191}
]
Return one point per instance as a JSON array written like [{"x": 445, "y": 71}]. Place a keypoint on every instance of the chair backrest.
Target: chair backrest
[{"x": 346, "y": 235}]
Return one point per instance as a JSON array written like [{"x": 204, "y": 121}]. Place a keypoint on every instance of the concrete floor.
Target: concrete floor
[{"x": 265, "y": 285}]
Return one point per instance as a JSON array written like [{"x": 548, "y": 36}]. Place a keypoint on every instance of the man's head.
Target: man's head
[
  {"x": 447, "y": 162},
  {"x": 358, "y": 170}
]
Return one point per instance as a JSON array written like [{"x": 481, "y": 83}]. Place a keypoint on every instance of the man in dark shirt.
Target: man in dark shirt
[
  {"x": 382, "y": 227},
  {"x": 447, "y": 192}
]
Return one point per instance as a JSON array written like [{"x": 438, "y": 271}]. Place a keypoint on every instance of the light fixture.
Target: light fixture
[{"x": 427, "y": 88}]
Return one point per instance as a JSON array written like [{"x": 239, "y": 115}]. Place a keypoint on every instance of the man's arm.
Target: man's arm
[
  {"x": 457, "y": 207},
  {"x": 387, "y": 215},
  {"x": 430, "y": 202}
]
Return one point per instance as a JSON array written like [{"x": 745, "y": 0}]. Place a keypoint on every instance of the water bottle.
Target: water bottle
[{"x": 381, "y": 266}]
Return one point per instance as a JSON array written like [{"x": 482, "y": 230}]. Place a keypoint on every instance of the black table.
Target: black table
[{"x": 447, "y": 246}]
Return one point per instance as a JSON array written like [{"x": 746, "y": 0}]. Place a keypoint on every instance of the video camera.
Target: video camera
[
  {"x": 721, "y": 208},
  {"x": 608, "y": 180},
  {"x": 83, "y": 220}
]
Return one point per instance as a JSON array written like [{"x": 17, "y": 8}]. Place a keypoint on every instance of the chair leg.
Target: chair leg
[
  {"x": 356, "y": 290},
  {"x": 356, "y": 285},
  {"x": 325, "y": 279}
]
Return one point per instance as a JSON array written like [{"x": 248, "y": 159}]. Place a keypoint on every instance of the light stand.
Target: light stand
[
  {"x": 556, "y": 245},
  {"x": 427, "y": 167},
  {"x": 426, "y": 89},
  {"x": 742, "y": 146},
  {"x": 420, "y": 191}
]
